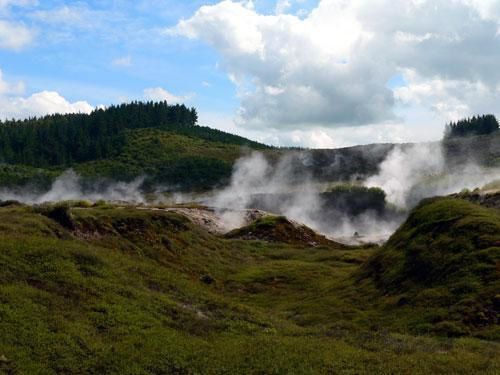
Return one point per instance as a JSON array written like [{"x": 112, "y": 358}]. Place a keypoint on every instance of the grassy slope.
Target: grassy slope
[
  {"x": 440, "y": 270},
  {"x": 166, "y": 157},
  {"x": 151, "y": 148},
  {"x": 121, "y": 292}
]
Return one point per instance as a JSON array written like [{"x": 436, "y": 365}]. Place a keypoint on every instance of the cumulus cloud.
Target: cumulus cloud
[
  {"x": 39, "y": 104},
  {"x": 14, "y": 105},
  {"x": 331, "y": 68},
  {"x": 160, "y": 94},
  {"x": 300, "y": 71}
]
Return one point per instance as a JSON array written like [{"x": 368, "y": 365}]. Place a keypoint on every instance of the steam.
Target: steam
[
  {"x": 408, "y": 174},
  {"x": 406, "y": 167},
  {"x": 69, "y": 186},
  {"x": 413, "y": 172},
  {"x": 295, "y": 195},
  {"x": 253, "y": 175}
]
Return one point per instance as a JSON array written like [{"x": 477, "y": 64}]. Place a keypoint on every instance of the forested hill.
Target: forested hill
[
  {"x": 155, "y": 140},
  {"x": 63, "y": 140}
]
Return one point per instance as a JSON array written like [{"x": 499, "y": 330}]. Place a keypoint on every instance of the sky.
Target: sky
[{"x": 312, "y": 73}]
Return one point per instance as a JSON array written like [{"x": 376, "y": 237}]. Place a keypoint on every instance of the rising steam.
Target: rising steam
[
  {"x": 408, "y": 174},
  {"x": 69, "y": 186},
  {"x": 253, "y": 176},
  {"x": 413, "y": 172}
]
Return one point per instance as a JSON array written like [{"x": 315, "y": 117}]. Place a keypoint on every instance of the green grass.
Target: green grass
[
  {"x": 122, "y": 291},
  {"x": 443, "y": 264}
]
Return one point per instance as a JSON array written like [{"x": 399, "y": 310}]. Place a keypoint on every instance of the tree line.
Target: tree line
[
  {"x": 64, "y": 140},
  {"x": 477, "y": 125}
]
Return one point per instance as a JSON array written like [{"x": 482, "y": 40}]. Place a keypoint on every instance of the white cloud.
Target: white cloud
[
  {"x": 331, "y": 68},
  {"x": 449, "y": 99},
  {"x": 14, "y": 105},
  {"x": 14, "y": 36},
  {"x": 39, "y": 104},
  {"x": 160, "y": 94},
  {"x": 124, "y": 61},
  {"x": 298, "y": 67},
  {"x": 487, "y": 9}
]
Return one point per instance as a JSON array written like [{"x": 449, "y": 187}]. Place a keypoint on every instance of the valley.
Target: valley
[{"x": 95, "y": 288}]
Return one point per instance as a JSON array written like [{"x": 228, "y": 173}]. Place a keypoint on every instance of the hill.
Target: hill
[
  {"x": 443, "y": 264},
  {"x": 99, "y": 288},
  {"x": 122, "y": 142},
  {"x": 280, "y": 229}
]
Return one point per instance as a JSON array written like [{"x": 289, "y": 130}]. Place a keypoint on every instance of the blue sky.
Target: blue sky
[
  {"x": 316, "y": 73},
  {"x": 82, "y": 61}
]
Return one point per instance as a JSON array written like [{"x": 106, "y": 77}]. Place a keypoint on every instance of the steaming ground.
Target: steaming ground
[
  {"x": 408, "y": 174},
  {"x": 70, "y": 186},
  {"x": 418, "y": 171}
]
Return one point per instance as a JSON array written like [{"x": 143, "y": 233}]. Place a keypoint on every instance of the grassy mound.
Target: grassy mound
[
  {"x": 444, "y": 263},
  {"x": 279, "y": 229}
]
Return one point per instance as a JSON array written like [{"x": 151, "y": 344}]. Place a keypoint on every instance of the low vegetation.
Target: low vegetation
[
  {"x": 443, "y": 263},
  {"x": 100, "y": 288}
]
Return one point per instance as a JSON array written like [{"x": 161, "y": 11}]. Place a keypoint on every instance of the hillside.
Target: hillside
[
  {"x": 116, "y": 289},
  {"x": 443, "y": 265},
  {"x": 156, "y": 140},
  {"x": 480, "y": 149}
]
